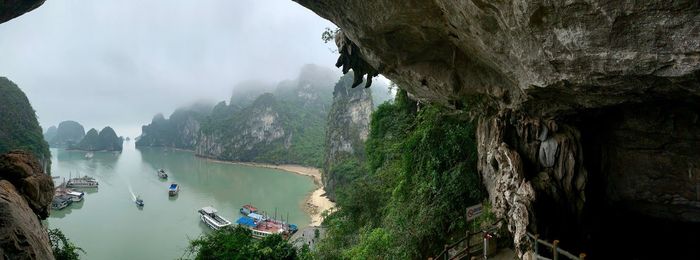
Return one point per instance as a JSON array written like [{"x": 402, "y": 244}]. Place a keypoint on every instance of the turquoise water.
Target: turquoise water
[{"x": 108, "y": 225}]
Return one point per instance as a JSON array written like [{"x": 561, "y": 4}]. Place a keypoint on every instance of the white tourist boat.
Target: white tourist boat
[
  {"x": 89, "y": 155},
  {"x": 82, "y": 182},
  {"x": 209, "y": 216}
]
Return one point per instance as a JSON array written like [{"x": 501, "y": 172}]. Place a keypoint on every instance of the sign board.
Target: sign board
[{"x": 474, "y": 211}]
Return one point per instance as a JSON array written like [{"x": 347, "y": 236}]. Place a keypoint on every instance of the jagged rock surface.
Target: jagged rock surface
[
  {"x": 539, "y": 73},
  {"x": 347, "y": 128},
  {"x": 25, "y": 195}
]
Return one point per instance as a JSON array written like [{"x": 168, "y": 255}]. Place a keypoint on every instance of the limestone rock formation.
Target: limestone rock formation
[
  {"x": 581, "y": 103},
  {"x": 180, "y": 130},
  {"x": 19, "y": 128},
  {"x": 258, "y": 127},
  {"x": 67, "y": 134},
  {"x": 50, "y": 133},
  {"x": 347, "y": 129},
  {"x": 282, "y": 126},
  {"x": 25, "y": 195},
  {"x": 105, "y": 140}
]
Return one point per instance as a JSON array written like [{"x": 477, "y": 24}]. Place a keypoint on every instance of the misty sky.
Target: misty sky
[{"x": 117, "y": 62}]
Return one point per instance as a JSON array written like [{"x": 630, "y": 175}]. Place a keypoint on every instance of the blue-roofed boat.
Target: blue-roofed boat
[
  {"x": 256, "y": 216},
  {"x": 246, "y": 221},
  {"x": 262, "y": 225},
  {"x": 174, "y": 189}
]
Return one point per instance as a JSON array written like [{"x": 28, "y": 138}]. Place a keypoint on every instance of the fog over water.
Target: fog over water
[{"x": 116, "y": 62}]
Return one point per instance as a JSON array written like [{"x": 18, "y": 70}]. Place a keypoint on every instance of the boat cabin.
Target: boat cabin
[{"x": 247, "y": 209}]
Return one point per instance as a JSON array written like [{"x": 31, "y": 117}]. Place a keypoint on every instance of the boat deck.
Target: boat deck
[{"x": 269, "y": 226}]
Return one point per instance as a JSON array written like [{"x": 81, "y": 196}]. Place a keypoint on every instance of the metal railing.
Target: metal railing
[
  {"x": 553, "y": 248},
  {"x": 445, "y": 253}
]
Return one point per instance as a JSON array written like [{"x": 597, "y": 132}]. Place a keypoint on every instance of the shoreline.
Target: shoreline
[{"x": 315, "y": 203}]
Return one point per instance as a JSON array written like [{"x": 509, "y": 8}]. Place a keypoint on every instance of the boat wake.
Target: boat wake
[{"x": 133, "y": 196}]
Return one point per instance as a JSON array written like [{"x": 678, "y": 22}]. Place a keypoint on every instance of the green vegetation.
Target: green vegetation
[
  {"x": 285, "y": 125},
  {"x": 408, "y": 199},
  {"x": 237, "y": 243},
  {"x": 106, "y": 140},
  {"x": 19, "y": 128},
  {"x": 63, "y": 248},
  {"x": 179, "y": 131},
  {"x": 300, "y": 124}
]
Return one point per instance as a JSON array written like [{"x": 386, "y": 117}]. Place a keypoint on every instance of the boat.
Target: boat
[
  {"x": 209, "y": 216},
  {"x": 89, "y": 155},
  {"x": 261, "y": 228},
  {"x": 261, "y": 225},
  {"x": 139, "y": 202},
  {"x": 60, "y": 202},
  {"x": 174, "y": 189},
  {"x": 82, "y": 182},
  {"x": 75, "y": 196},
  {"x": 162, "y": 174},
  {"x": 247, "y": 209}
]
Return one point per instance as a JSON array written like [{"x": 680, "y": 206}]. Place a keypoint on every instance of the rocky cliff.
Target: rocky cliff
[
  {"x": 180, "y": 130},
  {"x": 250, "y": 134},
  {"x": 67, "y": 134},
  {"x": 285, "y": 125},
  {"x": 25, "y": 194},
  {"x": 19, "y": 128},
  {"x": 275, "y": 128},
  {"x": 347, "y": 128},
  {"x": 26, "y": 189},
  {"x": 584, "y": 107}
]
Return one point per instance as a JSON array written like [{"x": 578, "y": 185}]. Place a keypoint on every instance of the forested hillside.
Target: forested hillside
[
  {"x": 19, "y": 128},
  {"x": 408, "y": 199}
]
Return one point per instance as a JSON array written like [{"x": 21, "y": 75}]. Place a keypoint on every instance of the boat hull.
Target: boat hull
[{"x": 213, "y": 220}]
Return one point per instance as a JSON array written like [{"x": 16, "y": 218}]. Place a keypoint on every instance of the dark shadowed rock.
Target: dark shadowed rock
[{"x": 12, "y": 8}]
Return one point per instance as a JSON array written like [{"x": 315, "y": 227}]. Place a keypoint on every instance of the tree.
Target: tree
[
  {"x": 63, "y": 248},
  {"x": 237, "y": 243}
]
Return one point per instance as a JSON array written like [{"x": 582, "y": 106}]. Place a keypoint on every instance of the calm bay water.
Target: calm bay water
[{"x": 108, "y": 225}]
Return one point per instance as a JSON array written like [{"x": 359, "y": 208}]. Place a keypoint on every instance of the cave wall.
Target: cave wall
[{"x": 583, "y": 105}]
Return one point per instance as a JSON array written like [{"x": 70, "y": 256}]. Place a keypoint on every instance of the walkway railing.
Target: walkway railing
[
  {"x": 465, "y": 251},
  {"x": 553, "y": 248}
]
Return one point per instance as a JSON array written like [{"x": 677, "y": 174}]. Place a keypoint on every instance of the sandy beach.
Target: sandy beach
[{"x": 317, "y": 202}]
